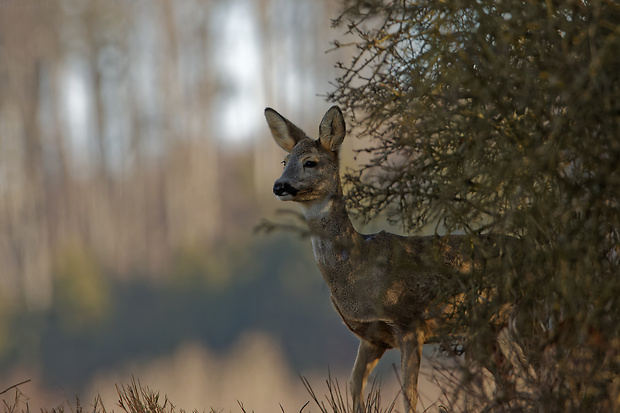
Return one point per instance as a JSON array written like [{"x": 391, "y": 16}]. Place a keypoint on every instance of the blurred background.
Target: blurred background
[{"x": 135, "y": 166}]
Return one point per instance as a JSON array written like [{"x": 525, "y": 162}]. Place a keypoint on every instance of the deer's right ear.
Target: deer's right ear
[{"x": 284, "y": 132}]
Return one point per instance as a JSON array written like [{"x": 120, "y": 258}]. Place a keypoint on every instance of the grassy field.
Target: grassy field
[{"x": 134, "y": 397}]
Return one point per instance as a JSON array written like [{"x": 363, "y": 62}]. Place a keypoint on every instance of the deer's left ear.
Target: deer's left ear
[{"x": 332, "y": 129}]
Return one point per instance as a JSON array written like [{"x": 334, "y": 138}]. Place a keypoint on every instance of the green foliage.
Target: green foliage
[
  {"x": 82, "y": 293},
  {"x": 504, "y": 117},
  {"x": 271, "y": 285}
]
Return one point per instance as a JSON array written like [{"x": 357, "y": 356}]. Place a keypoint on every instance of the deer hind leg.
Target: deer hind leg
[
  {"x": 368, "y": 356},
  {"x": 411, "y": 343},
  {"x": 523, "y": 372}
]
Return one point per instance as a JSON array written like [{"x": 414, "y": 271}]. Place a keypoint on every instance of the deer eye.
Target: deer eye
[
  {"x": 284, "y": 163},
  {"x": 309, "y": 164}
]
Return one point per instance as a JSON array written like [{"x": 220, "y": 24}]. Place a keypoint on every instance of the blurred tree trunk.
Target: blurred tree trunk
[{"x": 106, "y": 133}]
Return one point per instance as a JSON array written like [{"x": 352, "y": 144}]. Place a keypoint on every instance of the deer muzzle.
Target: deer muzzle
[{"x": 282, "y": 189}]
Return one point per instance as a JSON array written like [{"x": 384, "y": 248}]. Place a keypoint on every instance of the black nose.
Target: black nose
[{"x": 283, "y": 188}]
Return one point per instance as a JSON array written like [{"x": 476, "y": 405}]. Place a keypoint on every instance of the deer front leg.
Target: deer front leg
[
  {"x": 367, "y": 357},
  {"x": 411, "y": 343}
]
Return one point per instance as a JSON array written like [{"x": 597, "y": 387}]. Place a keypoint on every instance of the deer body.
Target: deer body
[{"x": 383, "y": 284}]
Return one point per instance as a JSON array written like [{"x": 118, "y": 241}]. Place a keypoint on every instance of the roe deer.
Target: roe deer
[{"x": 383, "y": 284}]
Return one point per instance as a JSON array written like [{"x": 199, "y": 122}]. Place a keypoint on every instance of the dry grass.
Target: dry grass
[
  {"x": 137, "y": 398},
  {"x": 339, "y": 403}
]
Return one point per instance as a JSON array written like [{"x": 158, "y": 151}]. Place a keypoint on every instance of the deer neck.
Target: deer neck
[
  {"x": 334, "y": 239},
  {"x": 328, "y": 219}
]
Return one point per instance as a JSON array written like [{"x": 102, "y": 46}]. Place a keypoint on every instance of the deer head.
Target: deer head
[{"x": 311, "y": 171}]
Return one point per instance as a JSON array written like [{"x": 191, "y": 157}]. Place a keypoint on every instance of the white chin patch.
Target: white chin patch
[
  {"x": 287, "y": 197},
  {"x": 317, "y": 209}
]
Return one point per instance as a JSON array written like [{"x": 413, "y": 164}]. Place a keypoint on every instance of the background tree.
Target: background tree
[
  {"x": 490, "y": 116},
  {"x": 134, "y": 161}
]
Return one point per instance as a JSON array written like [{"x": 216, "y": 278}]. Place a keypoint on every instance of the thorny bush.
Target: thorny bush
[{"x": 503, "y": 116}]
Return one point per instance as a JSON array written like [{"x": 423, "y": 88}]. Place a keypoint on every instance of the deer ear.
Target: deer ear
[
  {"x": 332, "y": 129},
  {"x": 284, "y": 132}
]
